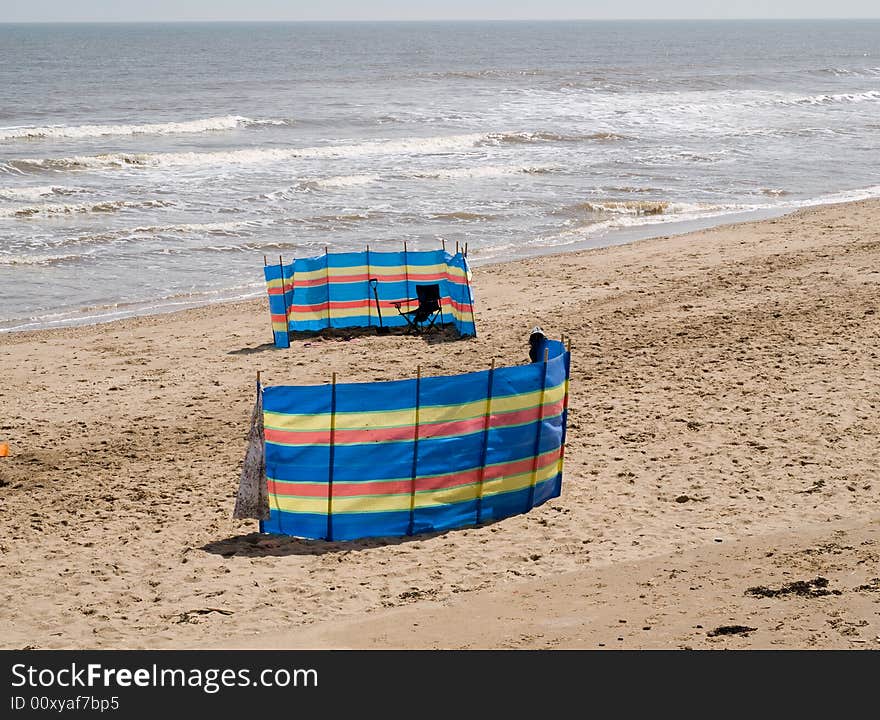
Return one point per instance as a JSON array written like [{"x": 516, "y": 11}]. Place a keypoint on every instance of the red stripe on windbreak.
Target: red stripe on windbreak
[
  {"x": 434, "y": 482},
  {"x": 342, "y": 305},
  {"x": 427, "y": 431},
  {"x": 279, "y": 318},
  {"x": 361, "y": 304}
]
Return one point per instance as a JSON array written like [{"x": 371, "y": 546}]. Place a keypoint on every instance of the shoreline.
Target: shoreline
[
  {"x": 617, "y": 236},
  {"x": 724, "y": 386}
]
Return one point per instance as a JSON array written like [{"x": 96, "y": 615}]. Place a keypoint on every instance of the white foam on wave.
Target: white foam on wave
[
  {"x": 624, "y": 218},
  {"x": 844, "y": 196},
  {"x": 254, "y": 156},
  {"x": 483, "y": 171},
  {"x": 212, "y": 124},
  {"x": 37, "y": 192},
  {"x": 37, "y": 260},
  {"x": 29, "y": 211},
  {"x": 869, "y": 96}
]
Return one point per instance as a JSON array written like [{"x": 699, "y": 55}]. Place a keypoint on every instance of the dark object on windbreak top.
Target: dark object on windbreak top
[
  {"x": 428, "y": 309},
  {"x": 382, "y": 330},
  {"x": 536, "y": 343}
]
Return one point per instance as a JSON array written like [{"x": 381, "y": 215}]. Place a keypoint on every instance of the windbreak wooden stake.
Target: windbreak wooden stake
[
  {"x": 540, "y": 425},
  {"x": 484, "y": 451},
  {"x": 327, "y": 282},
  {"x": 415, "y": 461},
  {"x": 283, "y": 300},
  {"x": 369, "y": 287},
  {"x": 332, "y": 458},
  {"x": 406, "y": 272}
]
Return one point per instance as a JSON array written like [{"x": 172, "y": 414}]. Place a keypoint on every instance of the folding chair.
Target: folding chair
[{"x": 428, "y": 309}]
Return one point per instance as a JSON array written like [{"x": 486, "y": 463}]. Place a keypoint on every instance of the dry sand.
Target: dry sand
[{"x": 723, "y": 436}]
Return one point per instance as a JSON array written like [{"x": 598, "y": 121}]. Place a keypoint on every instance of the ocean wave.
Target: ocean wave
[
  {"x": 442, "y": 144},
  {"x": 328, "y": 183},
  {"x": 844, "y": 196},
  {"x": 212, "y": 124},
  {"x": 35, "y": 193},
  {"x": 38, "y": 260},
  {"x": 463, "y": 215},
  {"x": 484, "y": 171},
  {"x": 635, "y": 208},
  {"x": 773, "y": 192},
  {"x": 624, "y": 207},
  {"x": 483, "y": 74},
  {"x": 675, "y": 213},
  {"x": 525, "y": 138},
  {"x": 28, "y": 211},
  {"x": 848, "y": 72},
  {"x": 869, "y": 96}
]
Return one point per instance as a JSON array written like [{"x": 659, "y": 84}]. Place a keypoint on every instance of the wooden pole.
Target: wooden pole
[
  {"x": 456, "y": 247},
  {"x": 327, "y": 279},
  {"x": 465, "y": 249},
  {"x": 470, "y": 296},
  {"x": 271, "y": 322},
  {"x": 369, "y": 299},
  {"x": 443, "y": 240},
  {"x": 538, "y": 433},
  {"x": 564, "y": 408},
  {"x": 415, "y": 462},
  {"x": 406, "y": 272},
  {"x": 332, "y": 458},
  {"x": 487, "y": 415},
  {"x": 284, "y": 300}
]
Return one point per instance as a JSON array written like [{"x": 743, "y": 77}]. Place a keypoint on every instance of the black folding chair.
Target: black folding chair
[{"x": 428, "y": 309}]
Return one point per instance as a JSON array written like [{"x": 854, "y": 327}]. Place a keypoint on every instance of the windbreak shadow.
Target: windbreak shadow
[
  {"x": 264, "y": 545},
  {"x": 252, "y": 350}
]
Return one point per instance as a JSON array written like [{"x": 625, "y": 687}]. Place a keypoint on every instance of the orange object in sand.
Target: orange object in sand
[{"x": 4, "y": 450}]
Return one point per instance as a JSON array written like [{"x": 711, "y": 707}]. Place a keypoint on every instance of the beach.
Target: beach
[{"x": 720, "y": 471}]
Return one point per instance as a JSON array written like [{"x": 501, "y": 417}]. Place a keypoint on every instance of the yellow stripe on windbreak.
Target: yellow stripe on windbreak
[
  {"x": 402, "y": 418},
  {"x": 423, "y": 499},
  {"x": 277, "y": 284}
]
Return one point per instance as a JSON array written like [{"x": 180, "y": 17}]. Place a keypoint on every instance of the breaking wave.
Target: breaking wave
[
  {"x": 484, "y": 171},
  {"x": 28, "y": 211},
  {"x": 35, "y": 193},
  {"x": 869, "y": 96},
  {"x": 639, "y": 208},
  {"x": 548, "y": 137},
  {"x": 444, "y": 144},
  {"x": 213, "y": 124},
  {"x": 38, "y": 260},
  {"x": 463, "y": 215}
]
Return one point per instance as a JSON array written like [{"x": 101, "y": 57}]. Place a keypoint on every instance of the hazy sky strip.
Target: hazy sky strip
[{"x": 177, "y": 10}]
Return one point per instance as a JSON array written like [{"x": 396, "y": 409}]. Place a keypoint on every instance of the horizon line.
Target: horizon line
[{"x": 430, "y": 20}]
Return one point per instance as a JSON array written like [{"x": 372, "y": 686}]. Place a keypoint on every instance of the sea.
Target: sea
[{"x": 151, "y": 167}]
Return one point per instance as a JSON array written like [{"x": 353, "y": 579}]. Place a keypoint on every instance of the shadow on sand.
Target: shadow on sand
[{"x": 263, "y": 545}]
